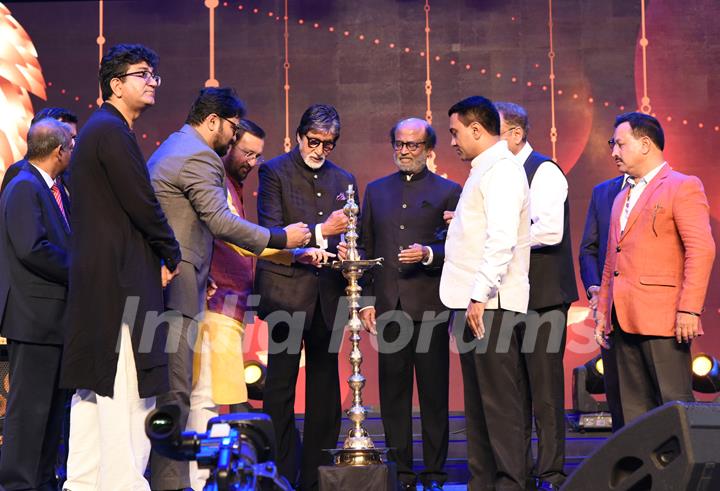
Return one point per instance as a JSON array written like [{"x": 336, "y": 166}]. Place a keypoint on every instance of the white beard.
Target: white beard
[
  {"x": 413, "y": 168},
  {"x": 313, "y": 165}
]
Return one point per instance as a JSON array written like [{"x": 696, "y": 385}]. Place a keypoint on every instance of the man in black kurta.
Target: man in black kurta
[
  {"x": 122, "y": 253},
  {"x": 402, "y": 221},
  {"x": 303, "y": 186}
]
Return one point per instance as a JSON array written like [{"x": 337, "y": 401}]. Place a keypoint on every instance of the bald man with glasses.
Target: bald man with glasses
[{"x": 402, "y": 221}]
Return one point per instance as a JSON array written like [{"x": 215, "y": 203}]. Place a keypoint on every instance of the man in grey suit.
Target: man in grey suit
[{"x": 189, "y": 181}]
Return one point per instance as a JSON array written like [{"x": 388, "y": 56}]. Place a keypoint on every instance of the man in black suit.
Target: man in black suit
[
  {"x": 593, "y": 247},
  {"x": 404, "y": 212},
  {"x": 303, "y": 186},
  {"x": 62, "y": 115},
  {"x": 123, "y": 254},
  {"x": 34, "y": 235},
  {"x": 593, "y": 250}
]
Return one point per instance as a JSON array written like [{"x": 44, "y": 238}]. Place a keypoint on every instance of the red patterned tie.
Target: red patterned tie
[{"x": 56, "y": 192}]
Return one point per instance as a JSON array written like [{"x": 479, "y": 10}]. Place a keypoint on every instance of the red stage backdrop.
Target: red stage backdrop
[{"x": 370, "y": 59}]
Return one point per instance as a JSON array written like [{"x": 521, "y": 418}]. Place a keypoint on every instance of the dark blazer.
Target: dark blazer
[
  {"x": 11, "y": 172},
  {"x": 120, "y": 237},
  {"x": 397, "y": 213},
  {"x": 34, "y": 240},
  {"x": 62, "y": 179},
  {"x": 593, "y": 247},
  {"x": 33, "y": 261},
  {"x": 290, "y": 192}
]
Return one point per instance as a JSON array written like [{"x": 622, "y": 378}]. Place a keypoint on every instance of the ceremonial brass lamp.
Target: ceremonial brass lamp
[{"x": 358, "y": 448}]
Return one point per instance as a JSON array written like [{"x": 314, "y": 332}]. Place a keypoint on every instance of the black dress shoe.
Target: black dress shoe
[
  {"x": 407, "y": 486},
  {"x": 433, "y": 486}
]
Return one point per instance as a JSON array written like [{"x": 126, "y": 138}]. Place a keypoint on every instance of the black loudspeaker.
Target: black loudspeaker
[{"x": 673, "y": 447}]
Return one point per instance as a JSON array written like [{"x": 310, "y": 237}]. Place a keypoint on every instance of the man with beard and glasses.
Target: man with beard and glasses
[
  {"x": 304, "y": 185},
  {"x": 218, "y": 359},
  {"x": 188, "y": 176},
  {"x": 404, "y": 212}
]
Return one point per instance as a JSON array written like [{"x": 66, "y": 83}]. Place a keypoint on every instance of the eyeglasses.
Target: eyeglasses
[
  {"x": 143, "y": 74},
  {"x": 411, "y": 146},
  {"x": 509, "y": 130},
  {"x": 69, "y": 146},
  {"x": 235, "y": 127},
  {"x": 250, "y": 156},
  {"x": 326, "y": 145}
]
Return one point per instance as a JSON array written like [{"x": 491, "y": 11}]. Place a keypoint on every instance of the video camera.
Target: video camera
[{"x": 238, "y": 449}]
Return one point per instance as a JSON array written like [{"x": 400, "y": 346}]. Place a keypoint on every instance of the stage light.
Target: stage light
[
  {"x": 255, "y": 373},
  {"x": 701, "y": 365},
  {"x": 705, "y": 374},
  {"x": 594, "y": 379},
  {"x": 590, "y": 413}
]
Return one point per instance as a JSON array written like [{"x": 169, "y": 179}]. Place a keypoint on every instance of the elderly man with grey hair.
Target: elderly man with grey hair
[
  {"x": 406, "y": 293},
  {"x": 34, "y": 239},
  {"x": 298, "y": 301},
  {"x": 552, "y": 290}
]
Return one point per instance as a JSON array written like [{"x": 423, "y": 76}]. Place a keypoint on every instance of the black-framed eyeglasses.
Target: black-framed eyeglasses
[
  {"x": 145, "y": 75},
  {"x": 411, "y": 146},
  {"x": 235, "y": 127},
  {"x": 315, "y": 142}
]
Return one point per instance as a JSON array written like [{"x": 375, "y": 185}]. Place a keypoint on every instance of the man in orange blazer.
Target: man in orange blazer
[{"x": 660, "y": 253}]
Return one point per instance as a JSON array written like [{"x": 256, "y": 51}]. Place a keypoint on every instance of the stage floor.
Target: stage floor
[{"x": 579, "y": 445}]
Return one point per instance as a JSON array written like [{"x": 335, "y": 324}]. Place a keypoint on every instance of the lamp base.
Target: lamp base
[{"x": 358, "y": 456}]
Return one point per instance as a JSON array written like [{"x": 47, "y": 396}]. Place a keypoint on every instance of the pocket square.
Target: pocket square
[{"x": 657, "y": 209}]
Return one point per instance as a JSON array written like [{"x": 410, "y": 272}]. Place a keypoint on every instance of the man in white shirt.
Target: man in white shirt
[
  {"x": 487, "y": 255},
  {"x": 552, "y": 290}
]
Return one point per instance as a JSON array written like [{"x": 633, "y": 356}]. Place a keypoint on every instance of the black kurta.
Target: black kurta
[{"x": 119, "y": 238}]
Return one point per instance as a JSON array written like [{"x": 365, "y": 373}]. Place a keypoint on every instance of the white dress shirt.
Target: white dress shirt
[
  {"x": 548, "y": 192},
  {"x": 487, "y": 251},
  {"x": 320, "y": 240},
  {"x": 635, "y": 192},
  {"x": 46, "y": 177}
]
